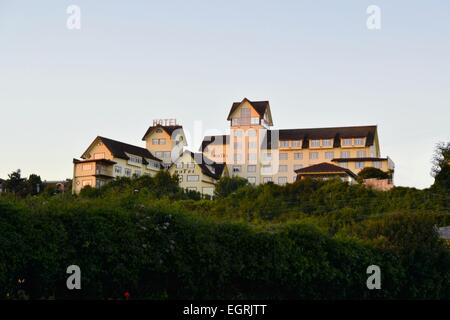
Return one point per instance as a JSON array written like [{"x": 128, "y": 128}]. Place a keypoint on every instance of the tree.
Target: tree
[
  {"x": 226, "y": 186},
  {"x": 371, "y": 172},
  {"x": 16, "y": 184},
  {"x": 441, "y": 167},
  {"x": 35, "y": 184},
  {"x": 441, "y": 157}
]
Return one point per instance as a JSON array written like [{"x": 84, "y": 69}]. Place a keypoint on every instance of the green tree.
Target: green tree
[
  {"x": 16, "y": 184},
  {"x": 371, "y": 172},
  {"x": 441, "y": 167},
  {"x": 226, "y": 186},
  {"x": 35, "y": 184}
]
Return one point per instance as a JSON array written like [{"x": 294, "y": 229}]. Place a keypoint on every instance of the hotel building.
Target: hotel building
[
  {"x": 252, "y": 151},
  {"x": 259, "y": 154}
]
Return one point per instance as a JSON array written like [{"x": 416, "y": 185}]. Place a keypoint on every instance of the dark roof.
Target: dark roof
[
  {"x": 204, "y": 164},
  {"x": 120, "y": 149},
  {"x": 335, "y": 133},
  {"x": 218, "y": 140},
  {"x": 168, "y": 129},
  {"x": 104, "y": 161},
  {"x": 260, "y": 107},
  {"x": 358, "y": 159},
  {"x": 323, "y": 168}
]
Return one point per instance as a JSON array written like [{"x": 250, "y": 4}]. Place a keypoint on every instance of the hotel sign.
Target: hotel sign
[{"x": 165, "y": 122}]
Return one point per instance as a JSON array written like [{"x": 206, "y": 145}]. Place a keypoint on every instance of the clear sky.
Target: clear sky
[{"x": 134, "y": 61}]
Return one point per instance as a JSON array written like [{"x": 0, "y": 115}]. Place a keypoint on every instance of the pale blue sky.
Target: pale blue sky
[{"x": 134, "y": 61}]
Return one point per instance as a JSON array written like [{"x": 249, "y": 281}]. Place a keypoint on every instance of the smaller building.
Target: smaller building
[
  {"x": 326, "y": 171},
  {"x": 106, "y": 159},
  {"x": 197, "y": 173}
]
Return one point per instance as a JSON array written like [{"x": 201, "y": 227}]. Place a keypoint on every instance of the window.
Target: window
[
  {"x": 236, "y": 169},
  {"x": 313, "y": 155},
  {"x": 298, "y": 166},
  {"x": 155, "y": 141},
  {"x": 87, "y": 167},
  {"x": 138, "y": 173},
  {"x": 284, "y": 144},
  {"x": 191, "y": 178},
  {"x": 282, "y": 180},
  {"x": 127, "y": 172},
  {"x": 327, "y": 142},
  {"x": 297, "y": 144},
  {"x": 267, "y": 179},
  {"x": 251, "y": 168},
  {"x": 267, "y": 156},
  {"x": 252, "y": 132},
  {"x": 377, "y": 164},
  {"x": 245, "y": 113},
  {"x": 238, "y": 133},
  {"x": 254, "y": 121},
  {"x": 359, "y": 165},
  {"x": 134, "y": 159},
  {"x": 347, "y": 142},
  {"x": 298, "y": 156},
  {"x": 251, "y": 180},
  {"x": 252, "y": 157},
  {"x": 266, "y": 169},
  {"x": 153, "y": 164},
  {"x": 359, "y": 141},
  {"x": 283, "y": 168},
  {"x": 252, "y": 144},
  {"x": 162, "y": 141},
  {"x": 345, "y": 154},
  {"x": 118, "y": 170},
  {"x": 159, "y": 154},
  {"x": 191, "y": 165},
  {"x": 180, "y": 165},
  {"x": 315, "y": 143},
  {"x": 329, "y": 155},
  {"x": 283, "y": 156},
  {"x": 166, "y": 154},
  {"x": 361, "y": 154}
]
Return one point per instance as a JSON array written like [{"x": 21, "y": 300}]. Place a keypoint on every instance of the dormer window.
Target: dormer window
[
  {"x": 347, "y": 142},
  {"x": 359, "y": 141},
  {"x": 134, "y": 159},
  {"x": 315, "y": 143},
  {"x": 327, "y": 142}
]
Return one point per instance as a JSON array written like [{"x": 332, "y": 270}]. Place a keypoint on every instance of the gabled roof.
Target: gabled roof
[
  {"x": 260, "y": 106},
  {"x": 325, "y": 168},
  {"x": 208, "y": 167},
  {"x": 120, "y": 149},
  {"x": 335, "y": 133},
  {"x": 168, "y": 129}
]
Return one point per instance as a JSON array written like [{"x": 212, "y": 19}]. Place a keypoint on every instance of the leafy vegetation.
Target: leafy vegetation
[{"x": 307, "y": 240}]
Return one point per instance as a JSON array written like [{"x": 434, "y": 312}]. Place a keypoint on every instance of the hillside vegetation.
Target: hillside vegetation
[{"x": 146, "y": 236}]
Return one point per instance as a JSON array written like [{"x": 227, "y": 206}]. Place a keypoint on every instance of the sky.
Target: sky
[{"x": 134, "y": 61}]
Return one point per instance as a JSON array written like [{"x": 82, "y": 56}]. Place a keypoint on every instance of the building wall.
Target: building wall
[
  {"x": 241, "y": 159},
  {"x": 185, "y": 167},
  {"x": 163, "y": 151}
]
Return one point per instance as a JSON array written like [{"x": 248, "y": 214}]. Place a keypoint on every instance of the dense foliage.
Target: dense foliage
[{"x": 146, "y": 236}]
